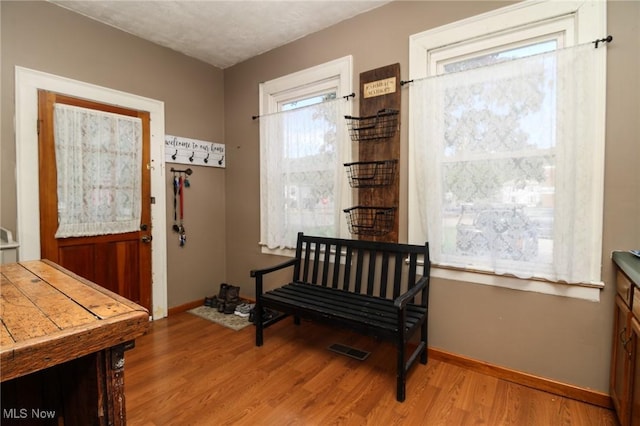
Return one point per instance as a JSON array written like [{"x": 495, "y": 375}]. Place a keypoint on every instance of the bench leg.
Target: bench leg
[
  {"x": 423, "y": 356},
  {"x": 401, "y": 375},
  {"x": 259, "y": 324}
]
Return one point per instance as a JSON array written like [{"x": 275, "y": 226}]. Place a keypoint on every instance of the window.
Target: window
[
  {"x": 303, "y": 145},
  {"x": 492, "y": 185}
]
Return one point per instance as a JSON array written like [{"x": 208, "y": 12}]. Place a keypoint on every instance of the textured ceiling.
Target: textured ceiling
[{"x": 221, "y": 33}]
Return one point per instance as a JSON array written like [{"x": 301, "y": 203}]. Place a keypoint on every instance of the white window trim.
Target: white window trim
[
  {"x": 589, "y": 24},
  {"x": 292, "y": 86},
  {"x": 302, "y": 83}
]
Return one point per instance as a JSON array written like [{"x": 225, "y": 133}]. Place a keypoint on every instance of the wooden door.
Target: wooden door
[{"x": 118, "y": 262}]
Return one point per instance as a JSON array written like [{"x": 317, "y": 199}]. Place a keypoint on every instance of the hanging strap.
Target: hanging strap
[
  {"x": 180, "y": 192},
  {"x": 183, "y": 237},
  {"x": 175, "y": 199}
]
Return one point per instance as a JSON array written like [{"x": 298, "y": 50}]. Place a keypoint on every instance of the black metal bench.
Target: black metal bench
[{"x": 368, "y": 287}]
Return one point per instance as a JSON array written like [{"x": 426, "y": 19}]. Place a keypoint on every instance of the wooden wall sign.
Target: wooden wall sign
[
  {"x": 380, "y": 91},
  {"x": 182, "y": 150},
  {"x": 379, "y": 87}
]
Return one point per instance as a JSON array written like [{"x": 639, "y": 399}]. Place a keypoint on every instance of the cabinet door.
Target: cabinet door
[
  {"x": 620, "y": 363},
  {"x": 633, "y": 348}
]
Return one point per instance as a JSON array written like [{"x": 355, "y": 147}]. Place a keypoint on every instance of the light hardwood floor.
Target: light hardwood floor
[{"x": 189, "y": 371}]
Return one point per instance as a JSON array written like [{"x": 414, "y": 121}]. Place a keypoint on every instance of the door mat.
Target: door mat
[
  {"x": 231, "y": 321},
  {"x": 349, "y": 351}
]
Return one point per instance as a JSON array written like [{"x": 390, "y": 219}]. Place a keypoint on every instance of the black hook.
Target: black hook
[
  {"x": 607, "y": 39},
  {"x": 191, "y": 158},
  {"x": 173, "y": 157},
  {"x": 206, "y": 159}
]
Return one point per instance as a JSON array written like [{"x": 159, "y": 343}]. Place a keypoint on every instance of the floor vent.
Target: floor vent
[{"x": 349, "y": 351}]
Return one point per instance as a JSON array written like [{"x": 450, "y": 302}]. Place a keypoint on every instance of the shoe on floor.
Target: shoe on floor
[
  {"x": 229, "y": 308},
  {"x": 267, "y": 314},
  {"x": 244, "y": 309},
  {"x": 211, "y": 302}
]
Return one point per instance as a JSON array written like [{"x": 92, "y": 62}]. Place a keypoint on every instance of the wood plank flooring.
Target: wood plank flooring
[{"x": 190, "y": 371}]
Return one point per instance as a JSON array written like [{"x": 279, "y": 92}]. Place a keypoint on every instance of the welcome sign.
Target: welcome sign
[{"x": 193, "y": 151}]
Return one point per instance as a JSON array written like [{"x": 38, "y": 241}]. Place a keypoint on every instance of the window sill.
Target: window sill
[
  {"x": 286, "y": 252},
  {"x": 589, "y": 292},
  {"x": 576, "y": 291}
]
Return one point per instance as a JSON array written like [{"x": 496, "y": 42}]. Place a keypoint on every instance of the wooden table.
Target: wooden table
[{"x": 62, "y": 344}]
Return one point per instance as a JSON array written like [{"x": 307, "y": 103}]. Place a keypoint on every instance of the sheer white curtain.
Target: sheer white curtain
[
  {"x": 98, "y": 161},
  {"x": 509, "y": 165},
  {"x": 303, "y": 184}
]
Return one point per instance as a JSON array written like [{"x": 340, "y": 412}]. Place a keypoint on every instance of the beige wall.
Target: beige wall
[
  {"x": 555, "y": 337},
  {"x": 44, "y": 37}
]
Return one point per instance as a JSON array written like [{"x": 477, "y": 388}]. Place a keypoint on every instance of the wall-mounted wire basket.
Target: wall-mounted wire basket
[
  {"x": 383, "y": 125},
  {"x": 367, "y": 174},
  {"x": 370, "y": 220}
]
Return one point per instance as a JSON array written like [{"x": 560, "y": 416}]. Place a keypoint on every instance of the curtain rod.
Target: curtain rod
[
  {"x": 607, "y": 39},
  {"x": 346, "y": 97}
]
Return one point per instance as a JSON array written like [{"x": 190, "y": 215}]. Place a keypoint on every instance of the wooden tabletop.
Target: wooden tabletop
[{"x": 50, "y": 315}]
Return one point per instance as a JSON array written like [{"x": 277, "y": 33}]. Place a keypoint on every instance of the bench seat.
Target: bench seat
[{"x": 370, "y": 315}]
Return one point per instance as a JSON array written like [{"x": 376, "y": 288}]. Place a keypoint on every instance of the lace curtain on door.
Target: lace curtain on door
[
  {"x": 509, "y": 166},
  {"x": 302, "y": 181},
  {"x": 98, "y": 161}
]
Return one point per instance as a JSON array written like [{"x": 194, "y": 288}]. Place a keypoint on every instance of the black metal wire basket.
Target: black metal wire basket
[
  {"x": 383, "y": 125},
  {"x": 370, "y": 220},
  {"x": 368, "y": 174}
]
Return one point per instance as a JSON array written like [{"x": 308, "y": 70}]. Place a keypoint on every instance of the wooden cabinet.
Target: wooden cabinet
[
  {"x": 620, "y": 362},
  {"x": 634, "y": 373},
  {"x": 625, "y": 355}
]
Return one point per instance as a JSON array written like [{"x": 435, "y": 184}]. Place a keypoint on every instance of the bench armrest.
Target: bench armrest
[
  {"x": 401, "y": 301},
  {"x": 264, "y": 271},
  {"x": 258, "y": 273}
]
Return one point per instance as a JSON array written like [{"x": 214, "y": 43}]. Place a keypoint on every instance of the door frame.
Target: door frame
[{"x": 27, "y": 83}]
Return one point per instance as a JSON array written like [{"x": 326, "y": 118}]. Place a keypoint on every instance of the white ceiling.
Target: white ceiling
[{"x": 221, "y": 33}]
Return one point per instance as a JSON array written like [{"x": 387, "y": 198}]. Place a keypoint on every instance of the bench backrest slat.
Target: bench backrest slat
[
  {"x": 336, "y": 271},
  {"x": 413, "y": 264},
  {"x": 325, "y": 265},
  {"x": 359, "y": 262},
  {"x": 397, "y": 278},
  {"x": 367, "y": 267},
  {"x": 305, "y": 271},
  {"x": 372, "y": 272},
  {"x": 296, "y": 267},
  {"x": 347, "y": 268},
  {"x": 316, "y": 262},
  {"x": 384, "y": 274}
]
